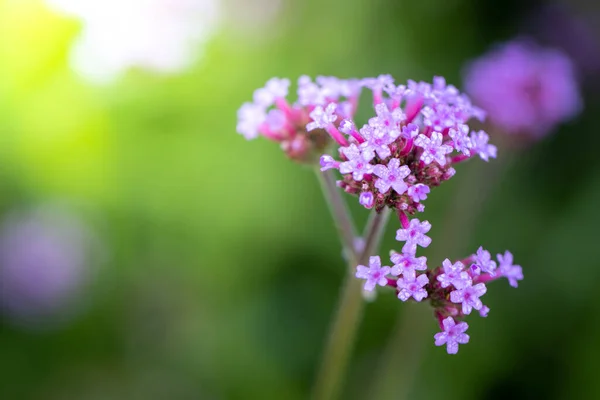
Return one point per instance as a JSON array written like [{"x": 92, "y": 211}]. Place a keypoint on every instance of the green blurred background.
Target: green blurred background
[{"x": 217, "y": 266}]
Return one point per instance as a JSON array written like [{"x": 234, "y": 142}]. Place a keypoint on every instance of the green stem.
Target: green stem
[
  {"x": 350, "y": 304},
  {"x": 339, "y": 210}
]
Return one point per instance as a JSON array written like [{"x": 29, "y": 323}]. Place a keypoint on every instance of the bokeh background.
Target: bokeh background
[{"x": 149, "y": 252}]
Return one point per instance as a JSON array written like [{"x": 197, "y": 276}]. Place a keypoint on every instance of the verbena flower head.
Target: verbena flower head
[
  {"x": 307, "y": 126},
  {"x": 407, "y": 147},
  {"x": 418, "y": 132},
  {"x": 524, "y": 88},
  {"x": 454, "y": 289}
]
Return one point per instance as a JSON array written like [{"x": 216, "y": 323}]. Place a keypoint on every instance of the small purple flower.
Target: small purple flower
[
  {"x": 444, "y": 92},
  {"x": 276, "y": 119},
  {"x": 461, "y": 140},
  {"x": 469, "y": 297},
  {"x": 407, "y": 263},
  {"x": 328, "y": 162},
  {"x": 377, "y": 141},
  {"x": 274, "y": 89},
  {"x": 356, "y": 164},
  {"x": 309, "y": 93},
  {"x": 440, "y": 118},
  {"x": 414, "y": 235},
  {"x": 433, "y": 149},
  {"x": 483, "y": 312},
  {"x": 483, "y": 260},
  {"x": 387, "y": 120},
  {"x": 377, "y": 84},
  {"x": 347, "y": 126},
  {"x": 453, "y": 335},
  {"x": 391, "y": 176},
  {"x": 418, "y": 192},
  {"x": 322, "y": 118},
  {"x": 374, "y": 274},
  {"x": 410, "y": 131},
  {"x": 350, "y": 88},
  {"x": 250, "y": 118},
  {"x": 513, "y": 273},
  {"x": 418, "y": 89},
  {"x": 330, "y": 86},
  {"x": 411, "y": 286},
  {"x": 479, "y": 141},
  {"x": 344, "y": 109},
  {"x": 396, "y": 93},
  {"x": 366, "y": 199},
  {"x": 454, "y": 274}
]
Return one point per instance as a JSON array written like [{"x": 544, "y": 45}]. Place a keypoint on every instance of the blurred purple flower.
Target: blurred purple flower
[
  {"x": 507, "y": 269},
  {"x": 43, "y": 264},
  {"x": 524, "y": 88}
]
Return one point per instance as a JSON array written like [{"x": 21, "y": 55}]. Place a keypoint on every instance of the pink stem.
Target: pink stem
[
  {"x": 485, "y": 278},
  {"x": 269, "y": 134},
  {"x": 467, "y": 260},
  {"x": 336, "y": 135},
  {"x": 377, "y": 98},
  {"x": 283, "y": 105},
  {"x": 407, "y": 148},
  {"x": 412, "y": 109},
  {"x": 460, "y": 158},
  {"x": 290, "y": 129},
  {"x": 357, "y": 136},
  {"x": 403, "y": 219}
]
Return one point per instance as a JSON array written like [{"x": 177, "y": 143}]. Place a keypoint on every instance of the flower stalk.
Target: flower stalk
[{"x": 350, "y": 304}]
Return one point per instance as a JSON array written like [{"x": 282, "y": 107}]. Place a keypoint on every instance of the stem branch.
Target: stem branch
[{"x": 350, "y": 304}]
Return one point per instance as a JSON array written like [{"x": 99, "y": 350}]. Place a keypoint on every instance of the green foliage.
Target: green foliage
[{"x": 222, "y": 265}]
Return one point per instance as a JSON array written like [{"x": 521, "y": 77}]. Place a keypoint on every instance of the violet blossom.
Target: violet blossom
[
  {"x": 524, "y": 88},
  {"x": 452, "y": 335},
  {"x": 374, "y": 274}
]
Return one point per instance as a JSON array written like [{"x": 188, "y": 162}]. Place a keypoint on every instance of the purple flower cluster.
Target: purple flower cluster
[
  {"x": 453, "y": 289},
  {"x": 418, "y": 133},
  {"x": 393, "y": 161},
  {"x": 303, "y": 128},
  {"x": 406, "y": 148},
  {"x": 525, "y": 89}
]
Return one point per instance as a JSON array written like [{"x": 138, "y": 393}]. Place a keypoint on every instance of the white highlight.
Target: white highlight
[{"x": 160, "y": 35}]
